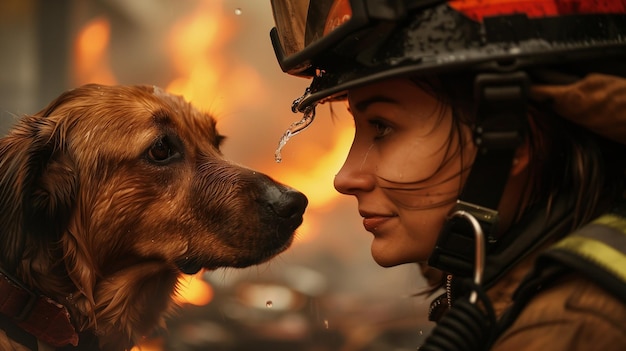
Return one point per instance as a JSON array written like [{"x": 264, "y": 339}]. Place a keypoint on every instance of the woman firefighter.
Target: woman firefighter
[{"x": 489, "y": 147}]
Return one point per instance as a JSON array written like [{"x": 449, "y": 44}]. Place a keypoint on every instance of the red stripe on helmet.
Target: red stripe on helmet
[{"x": 478, "y": 9}]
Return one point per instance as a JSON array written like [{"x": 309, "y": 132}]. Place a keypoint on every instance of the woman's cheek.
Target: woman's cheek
[{"x": 423, "y": 228}]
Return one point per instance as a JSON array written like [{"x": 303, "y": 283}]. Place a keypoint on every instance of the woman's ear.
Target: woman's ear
[{"x": 521, "y": 158}]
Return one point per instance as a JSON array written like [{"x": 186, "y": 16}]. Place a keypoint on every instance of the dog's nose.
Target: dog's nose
[{"x": 288, "y": 204}]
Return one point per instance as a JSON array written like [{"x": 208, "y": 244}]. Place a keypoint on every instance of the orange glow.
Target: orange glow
[
  {"x": 149, "y": 345},
  {"x": 192, "y": 289},
  {"x": 206, "y": 75},
  {"x": 316, "y": 182},
  {"x": 314, "y": 172},
  {"x": 91, "y": 53}
]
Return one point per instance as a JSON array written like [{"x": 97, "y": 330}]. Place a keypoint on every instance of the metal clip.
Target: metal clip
[{"x": 479, "y": 248}]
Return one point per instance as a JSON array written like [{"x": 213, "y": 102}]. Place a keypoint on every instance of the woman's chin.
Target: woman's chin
[{"x": 386, "y": 257}]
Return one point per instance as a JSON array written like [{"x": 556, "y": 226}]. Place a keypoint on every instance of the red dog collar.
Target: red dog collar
[{"x": 39, "y": 315}]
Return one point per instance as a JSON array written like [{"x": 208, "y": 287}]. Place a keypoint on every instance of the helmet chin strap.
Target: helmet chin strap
[{"x": 501, "y": 115}]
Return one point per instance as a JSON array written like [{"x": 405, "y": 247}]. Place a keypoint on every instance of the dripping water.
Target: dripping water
[{"x": 295, "y": 128}]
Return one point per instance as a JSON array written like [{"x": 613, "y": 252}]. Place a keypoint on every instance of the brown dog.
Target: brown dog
[{"x": 106, "y": 196}]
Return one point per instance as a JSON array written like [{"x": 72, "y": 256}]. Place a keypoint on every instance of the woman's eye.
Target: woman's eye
[
  {"x": 160, "y": 151},
  {"x": 380, "y": 129}
]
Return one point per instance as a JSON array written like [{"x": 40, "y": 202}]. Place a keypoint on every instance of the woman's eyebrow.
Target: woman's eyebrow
[{"x": 361, "y": 106}]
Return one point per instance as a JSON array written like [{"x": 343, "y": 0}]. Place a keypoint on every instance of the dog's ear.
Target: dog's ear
[{"x": 38, "y": 182}]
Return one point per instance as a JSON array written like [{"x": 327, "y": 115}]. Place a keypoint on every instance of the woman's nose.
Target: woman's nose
[{"x": 353, "y": 177}]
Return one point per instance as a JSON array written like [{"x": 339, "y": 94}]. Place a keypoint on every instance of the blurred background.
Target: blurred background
[{"x": 325, "y": 292}]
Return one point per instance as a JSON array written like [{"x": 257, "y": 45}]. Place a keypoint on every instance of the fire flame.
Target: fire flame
[
  {"x": 205, "y": 74},
  {"x": 91, "y": 53},
  {"x": 320, "y": 175}
]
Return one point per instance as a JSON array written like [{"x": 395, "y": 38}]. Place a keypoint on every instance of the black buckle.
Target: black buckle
[
  {"x": 499, "y": 130},
  {"x": 455, "y": 248},
  {"x": 501, "y": 109}
]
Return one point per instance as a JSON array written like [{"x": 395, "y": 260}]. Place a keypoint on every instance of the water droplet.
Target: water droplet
[
  {"x": 152, "y": 240},
  {"x": 421, "y": 332},
  {"x": 268, "y": 304},
  {"x": 326, "y": 323},
  {"x": 238, "y": 11}
]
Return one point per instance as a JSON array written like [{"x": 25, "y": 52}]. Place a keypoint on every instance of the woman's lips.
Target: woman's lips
[{"x": 371, "y": 223}]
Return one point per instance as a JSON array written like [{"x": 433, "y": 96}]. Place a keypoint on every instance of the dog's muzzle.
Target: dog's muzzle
[{"x": 287, "y": 204}]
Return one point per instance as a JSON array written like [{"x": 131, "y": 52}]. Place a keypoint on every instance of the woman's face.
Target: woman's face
[{"x": 404, "y": 168}]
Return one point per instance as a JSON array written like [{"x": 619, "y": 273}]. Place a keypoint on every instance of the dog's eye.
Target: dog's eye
[
  {"x": 219, "y": 140},
  {"x": 161, "y": 151}
]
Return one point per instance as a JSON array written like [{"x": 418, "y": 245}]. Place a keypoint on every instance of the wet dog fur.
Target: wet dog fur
[{"x": 110, "y": 192}]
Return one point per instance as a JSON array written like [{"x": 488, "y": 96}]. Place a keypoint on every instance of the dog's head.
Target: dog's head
[{"x": 105, "y": 177}]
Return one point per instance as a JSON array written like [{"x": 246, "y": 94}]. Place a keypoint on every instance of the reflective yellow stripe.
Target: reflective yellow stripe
[
  {"x": 596, "y": 251},
  {"x": 613, "y": 221}
]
